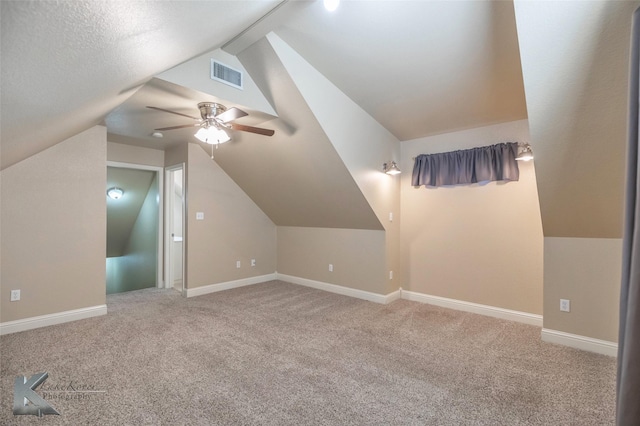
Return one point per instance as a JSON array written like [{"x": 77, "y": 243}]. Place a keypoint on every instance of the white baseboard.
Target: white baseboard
[
  {"x": 345, "y": 291},
  {"x": 392, "y": 297},
  {"x": 576, "y": 341},
  {"x": 213, "y": 288},
  {"x": 460, "y": 305},
  {"x": 51, "y": 319}
]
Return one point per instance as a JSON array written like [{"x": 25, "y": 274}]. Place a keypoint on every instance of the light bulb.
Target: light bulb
[{"x": 331, "y": 5}]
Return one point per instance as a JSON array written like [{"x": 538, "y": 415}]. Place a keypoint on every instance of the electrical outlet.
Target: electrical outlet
[
  {"x": 331, "y": 267},
  {"x": 253, "y": 262},
  {"x": 238, "y": 264},
  {"x": 390, "y": 275},
  {"x": 565, "y": 305},
  {"x": 15, "y": 295}
]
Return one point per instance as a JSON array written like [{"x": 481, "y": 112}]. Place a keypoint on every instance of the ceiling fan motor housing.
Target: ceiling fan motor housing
[
  {"x": 216, "y": 115},
  {"x": 208, "y": 110}
]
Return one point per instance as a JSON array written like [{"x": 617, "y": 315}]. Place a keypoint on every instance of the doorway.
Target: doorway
[
  {"x": 175, "y": 225},
  {"x": 134, "y": 227}
]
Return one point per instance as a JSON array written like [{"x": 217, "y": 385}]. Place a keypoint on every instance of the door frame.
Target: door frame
[
  {"x": 168, "y": 264},
  {"x": 159, "y": 173}
]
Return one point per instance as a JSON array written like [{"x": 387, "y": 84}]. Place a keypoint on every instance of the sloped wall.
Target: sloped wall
[
  {"x": 576, "y": 95},
  {"x": 338, "y": 150},
  {"x": 362, "y": 143},
  {"x": 53, "y": 228}
]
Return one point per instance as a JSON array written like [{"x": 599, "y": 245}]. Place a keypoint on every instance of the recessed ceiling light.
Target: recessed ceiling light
[
  {"x": 331, "y": 5},
  {"x": 157, "y": 134}
]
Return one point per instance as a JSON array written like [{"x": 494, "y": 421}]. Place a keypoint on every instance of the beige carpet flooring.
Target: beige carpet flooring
[{"x": 280, "y": 354}]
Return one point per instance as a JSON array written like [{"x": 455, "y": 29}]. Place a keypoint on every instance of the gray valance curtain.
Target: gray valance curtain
[
  {"x": 483, "y": 164},
  {"x": 628, "y": 383}
]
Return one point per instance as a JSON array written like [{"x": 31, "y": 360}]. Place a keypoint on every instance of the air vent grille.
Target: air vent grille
[{"x": 225, "y": 74}]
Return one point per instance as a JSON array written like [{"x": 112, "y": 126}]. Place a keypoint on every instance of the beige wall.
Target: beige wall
[
  {"x": 134, "y": 154},
  {"x": 361, "y": 142},
  {"x": 294, "y": 175},
  {"x": 53, "y": 228},
  {"x": 586, "y": 271},
  {"x": 233, "y": 229},
  {"x": 357, "y": 256},
  {"x": 475, "y": 243},
  {"x": 576, "y": 96},
  {"x": 575, "y": 64},
  {"x": 176, "y": 155}
]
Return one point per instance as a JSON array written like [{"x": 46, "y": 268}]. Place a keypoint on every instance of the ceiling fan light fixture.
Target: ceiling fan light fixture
[{"x": 212, "y": 135}]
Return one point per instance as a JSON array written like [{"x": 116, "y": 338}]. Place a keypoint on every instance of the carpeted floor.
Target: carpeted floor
[{"x": 280, "y": 354}]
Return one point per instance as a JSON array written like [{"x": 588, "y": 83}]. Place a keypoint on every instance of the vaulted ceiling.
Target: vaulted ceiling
[
  {"x": 66, "y": 65},
  {"x": 417, "y": 67}
]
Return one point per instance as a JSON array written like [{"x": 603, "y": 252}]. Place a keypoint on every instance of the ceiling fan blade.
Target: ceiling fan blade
[
  {"x": 242, "y": 127},
  {"x": 178, "y": 127},
  {"x": 231, "y": 114},
  {"x": 172, "y": 112}
]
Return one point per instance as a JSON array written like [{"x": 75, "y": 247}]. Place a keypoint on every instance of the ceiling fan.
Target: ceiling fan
[{"x": 215, "y": 119}]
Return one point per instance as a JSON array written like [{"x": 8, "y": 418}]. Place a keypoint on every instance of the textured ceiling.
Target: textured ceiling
[
  {"x": 66, "y": 65},
  {"x": 419, "y": 67}
]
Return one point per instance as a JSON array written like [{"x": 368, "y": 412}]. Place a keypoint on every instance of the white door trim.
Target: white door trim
[
  {"x": 168, "y": 264},
  {"x": 160, "y": 174}
]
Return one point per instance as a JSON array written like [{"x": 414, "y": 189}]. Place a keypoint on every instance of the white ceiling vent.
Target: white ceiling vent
[{"x": 225, "y": 74}]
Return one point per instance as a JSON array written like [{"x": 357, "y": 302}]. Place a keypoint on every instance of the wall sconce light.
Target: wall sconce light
[
  {"x": 115, "y": 193},
  {"x": 391, "y": 168},
  {"x": 525, "y": 153}
]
